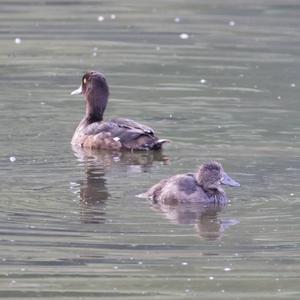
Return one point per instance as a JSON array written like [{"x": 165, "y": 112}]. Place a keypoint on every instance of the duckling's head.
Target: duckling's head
[
  {"x": 96, "y": 91},
  {"x": 211, "y": 176}
]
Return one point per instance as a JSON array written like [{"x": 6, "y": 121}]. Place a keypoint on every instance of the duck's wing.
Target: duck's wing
[
  {"x": 131, "y": 135},
  {"x": 136, "y": 136},
  {"x": 130, "y": 124},
  {"x": 98, "y": 127}
]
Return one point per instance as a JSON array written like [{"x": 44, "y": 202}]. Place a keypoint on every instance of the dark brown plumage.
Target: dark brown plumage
[
  {"x": 116, "y": 134},
  {"x": 203, "y": 186}
]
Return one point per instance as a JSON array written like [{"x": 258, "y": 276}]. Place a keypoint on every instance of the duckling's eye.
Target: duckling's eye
[{"x": 84, "y": 80}]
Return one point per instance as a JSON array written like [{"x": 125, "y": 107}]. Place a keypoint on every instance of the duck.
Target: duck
[
  {"x": 118, "y": 133},
  {"x": 204, "y": 186}
]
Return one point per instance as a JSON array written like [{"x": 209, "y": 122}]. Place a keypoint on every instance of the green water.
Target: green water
[{"x": 71, "y": 226}]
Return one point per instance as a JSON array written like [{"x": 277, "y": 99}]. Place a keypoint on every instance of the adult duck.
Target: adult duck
[
  {"x": 203, "y": 186},
  {"x": 116, "y": 134}
]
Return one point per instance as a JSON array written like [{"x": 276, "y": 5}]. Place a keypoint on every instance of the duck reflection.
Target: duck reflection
[
  {"x": 208, "y": 224},
  {"x": 92, "y": 190}
]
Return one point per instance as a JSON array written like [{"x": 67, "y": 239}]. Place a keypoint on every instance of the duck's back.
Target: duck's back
[
  {"x": 118, "y": 133},
  {"x": 181, "y": 188}
]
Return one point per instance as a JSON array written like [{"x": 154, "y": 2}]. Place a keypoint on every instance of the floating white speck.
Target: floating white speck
[
  {"x": 231, "y": 23},
  {"x": 211, "y": 278},
  {"x": 170, "y": 116},
  {"x": 140, "y": 262},
  {"x": 292, "y": 194},
  {"x": 116, "y": 138},
  {"x": 184, "y": 263},
  {"x": 18, "y": 41},
  {"x": 42, "y": 103},
  {"x": 227, "y": 269},
  {"x": 94, "y": 54},
  {"x": 100, "y": 18},
  {"x": 12, "y": 158},
  {"x": 293, "y": 84},
  {"x": 116, "y": 267},
  {"x": 203, "y": 81},
  {"x": 113, "y": 16},
  {"x": 184, "y": 36},
  {"x": 177, "y": 19},
  {"x": 279, "y": 97},
  {"x": 219, "y": 126}
]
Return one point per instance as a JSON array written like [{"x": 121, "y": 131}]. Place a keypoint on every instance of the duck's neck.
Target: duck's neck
[{"x": 95, "y": 106}]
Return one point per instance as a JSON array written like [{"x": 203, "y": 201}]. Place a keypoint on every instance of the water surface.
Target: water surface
[{"x": 220, "y": 79}]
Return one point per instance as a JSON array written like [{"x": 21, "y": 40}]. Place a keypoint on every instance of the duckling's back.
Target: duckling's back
[{"x": 182, "y": 188}]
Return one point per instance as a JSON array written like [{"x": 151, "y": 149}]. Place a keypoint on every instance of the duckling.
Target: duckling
[
  {"x": 203, "y": 186},
  {"x": 116, "y": 134}
]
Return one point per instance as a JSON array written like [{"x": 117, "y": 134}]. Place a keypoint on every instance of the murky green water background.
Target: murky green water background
[{"x": 71, "y": 226}]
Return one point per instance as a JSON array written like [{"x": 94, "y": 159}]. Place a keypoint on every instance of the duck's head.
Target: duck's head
[
  {"x": 96, "y": 91},
  {"x": 211, "y": 176}
]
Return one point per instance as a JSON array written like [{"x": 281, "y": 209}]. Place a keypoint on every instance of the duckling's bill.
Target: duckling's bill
[
  {"x": 78, "y": 91},
  {"x": 227, "y": 180}
]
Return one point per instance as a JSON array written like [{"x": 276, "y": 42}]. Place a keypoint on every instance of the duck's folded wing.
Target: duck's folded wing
[
  {"x": 129, "y": 133},
  {"x": 99, "y": 127},
  {"x": 130, "y": 124},
  {"x": 122, "y": 130}
]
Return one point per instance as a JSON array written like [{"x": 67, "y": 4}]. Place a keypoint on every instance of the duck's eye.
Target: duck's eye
[{"x": 84, "y": 80}]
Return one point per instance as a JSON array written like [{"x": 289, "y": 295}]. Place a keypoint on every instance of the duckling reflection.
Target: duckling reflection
[
  {"x": 208, "y": 224},
  {"x": 92, "y": 191}
]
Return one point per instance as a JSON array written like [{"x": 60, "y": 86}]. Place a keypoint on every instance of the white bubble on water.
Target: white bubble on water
[
  {"x": 231, "y": 23},
  {"x": 177, "y": 19},
  {"x": 203, "y": 81},
  {"x": 184, "y": 36},
  {"x": 100, "y": 18},
  {"x": 12, "y": 158},
  {"x": 112, "y": 16},
  {"x": 18, "y": 41}
]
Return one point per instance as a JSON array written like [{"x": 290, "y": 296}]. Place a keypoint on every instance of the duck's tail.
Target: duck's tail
[{"x": 158, "y": 144}]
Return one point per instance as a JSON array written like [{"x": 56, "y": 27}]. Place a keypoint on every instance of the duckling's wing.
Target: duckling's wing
[{"x": 130, "y": 124}]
